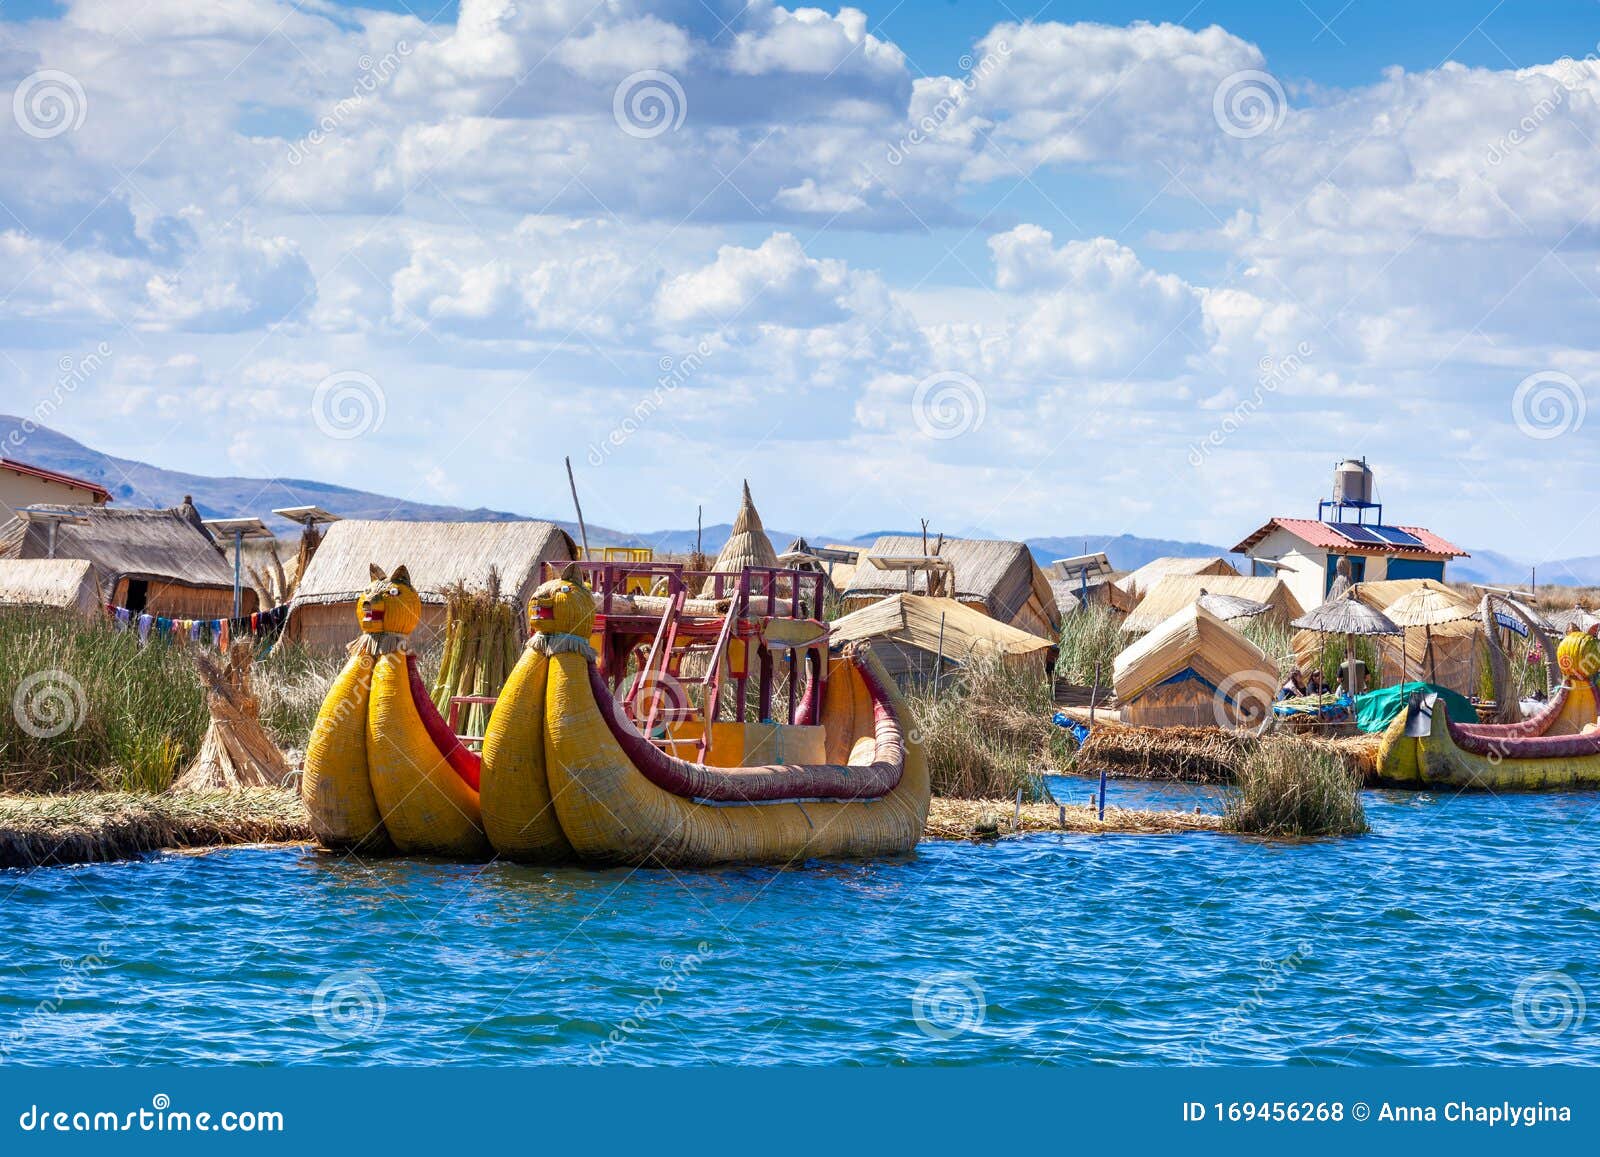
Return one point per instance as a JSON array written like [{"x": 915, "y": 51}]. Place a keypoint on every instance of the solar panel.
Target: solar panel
[
  {"x": 1358, "y": 534},
  {"x": 1376, "y": 535},
  {"x": 1396, "y": 537}
]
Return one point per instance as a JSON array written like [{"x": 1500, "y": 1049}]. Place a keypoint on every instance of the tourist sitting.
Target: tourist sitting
[
  {"x": 1294, "y": 687},
  {"x": 1316, "y": 684}
]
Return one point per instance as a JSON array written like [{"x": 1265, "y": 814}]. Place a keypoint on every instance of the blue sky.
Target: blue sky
[{"x": 1091, "y": 267}]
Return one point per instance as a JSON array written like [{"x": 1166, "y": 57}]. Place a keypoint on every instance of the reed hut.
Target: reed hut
[
  {"x": 995, "y": 577},
  {"x": 63, "y": 583},
  {"x": 1194, "y": 670},
  {"x": 439, "y": 555},
  {"x": 157, "y": 562},
  {"x": 908, "y": 634},
  {"x": 1173, "y": 593},
  {"x": 1139, "y": 583}
]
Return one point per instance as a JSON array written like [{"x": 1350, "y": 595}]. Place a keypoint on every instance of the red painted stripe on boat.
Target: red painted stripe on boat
[
  {"x": 467, "y": 764},
  {"x": 772, "y": 784}
]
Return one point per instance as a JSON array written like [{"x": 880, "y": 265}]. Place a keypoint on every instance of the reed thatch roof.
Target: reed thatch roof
[
  {"x": 438, "y": 555},
  {"x": 748, "y": 544},
  {"x": 1140, "y": 582},
  {"x": 157, "y": 545},
  {"x": 1001, "y": 576},
  {"x": 1068, "y": 595},
  {"x": 1173, "y": 593},
  {"x": 49, "y": 582},
  {"x": 915, "y": 621},
  {"x": 1193, "y": 641}
]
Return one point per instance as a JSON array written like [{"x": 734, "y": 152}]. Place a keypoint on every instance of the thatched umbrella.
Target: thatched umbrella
[
  {"x": 1577, "y": 619},
  {"x": 1428, "y": 607},
  {"x": 1231, "y": 607},
  {"x": 1348, "y": 616}
]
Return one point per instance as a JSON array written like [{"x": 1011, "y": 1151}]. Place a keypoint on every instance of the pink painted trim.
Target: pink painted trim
[
  {"x": 467, "y": 764},
  {"x": 1527, "y": 729},
  {"x": 809, "y": 710},
  {"x": 1525, "y": 740},
  {"x": 774, "y": 784}
]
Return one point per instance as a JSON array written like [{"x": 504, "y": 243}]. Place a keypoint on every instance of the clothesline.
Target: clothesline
[{"x": 220, "y": 631}]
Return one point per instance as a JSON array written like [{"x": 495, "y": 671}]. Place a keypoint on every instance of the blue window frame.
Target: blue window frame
[{"x": 1358, "y": 570}]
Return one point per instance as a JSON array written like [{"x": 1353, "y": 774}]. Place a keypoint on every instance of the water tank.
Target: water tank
[{"x": 1352, "y": 482}]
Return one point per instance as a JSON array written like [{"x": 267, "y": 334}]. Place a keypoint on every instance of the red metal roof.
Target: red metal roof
[
  {"x": 100, "y": 492},
  {"x": 1324, "y": 537}
]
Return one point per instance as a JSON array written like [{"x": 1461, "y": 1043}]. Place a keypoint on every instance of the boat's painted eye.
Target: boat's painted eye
[{"x": 395, "y": 591}]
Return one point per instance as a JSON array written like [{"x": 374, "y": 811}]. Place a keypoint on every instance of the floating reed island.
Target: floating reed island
[
  {"x": 103, "y": 827},
  {"x": 99, "y": 827}
]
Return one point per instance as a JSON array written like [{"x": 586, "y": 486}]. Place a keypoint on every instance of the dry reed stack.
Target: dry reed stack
[
  {"x": 483, "y": 638},
  {"x": 236, "y": 752}
]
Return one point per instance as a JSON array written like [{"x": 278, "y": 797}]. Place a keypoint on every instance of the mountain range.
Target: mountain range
[{"x": 134, "y": 483}]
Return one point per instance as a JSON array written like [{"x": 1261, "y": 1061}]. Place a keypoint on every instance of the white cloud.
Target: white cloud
[{"x": 475, "y": 216}]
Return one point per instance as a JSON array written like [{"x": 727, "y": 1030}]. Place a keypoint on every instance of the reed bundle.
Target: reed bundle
[
  {"x": 236, "y": 751},
  {"x": 1289, "y": 788},
  {"x": 482, "y": 642}
]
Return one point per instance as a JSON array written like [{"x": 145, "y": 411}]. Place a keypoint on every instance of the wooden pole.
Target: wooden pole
[
  {"x": 238, "y": 573},
  {"x": 1094, "y": 694},
  {"x": 699, "y": 517},
  {"x": 576, "y": 505},
  {"x": 938, "y": 670}
]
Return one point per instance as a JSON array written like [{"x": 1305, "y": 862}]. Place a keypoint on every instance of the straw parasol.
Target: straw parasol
[
  {"x": 1428, "y": 607},
  {"x": 1577, "y": 619},
  {"x": 1346, "y": 615},
  {"x": 1231, "y": 607}
]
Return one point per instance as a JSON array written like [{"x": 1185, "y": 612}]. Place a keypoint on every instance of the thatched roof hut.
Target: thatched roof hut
[
  {"x": 996, "y": 577},
  {"x": 909, "y": 632},
  {"x": 1194, "y": 670},
  {"x": 748, "y": 544},
  {"x": 1173, "y": 593},
  {"x": 66, "y": 583},
  {"x": 1139, "y": 583},
  {"x": 161, "y": 562},
  {"x": 438, "y": 555}
]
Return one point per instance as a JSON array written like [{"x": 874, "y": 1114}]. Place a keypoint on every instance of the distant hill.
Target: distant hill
[
  {"x": 133, "y": 483},
  {"x": 140, "y": 484}
]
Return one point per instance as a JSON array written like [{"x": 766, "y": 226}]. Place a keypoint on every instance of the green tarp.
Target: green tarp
[{"x": 1376, "y": 709}]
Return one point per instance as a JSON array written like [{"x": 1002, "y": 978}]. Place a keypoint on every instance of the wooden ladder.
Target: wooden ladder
[
  {"x": 712, "y": 681},
  {"x": 660, "y": 666}
]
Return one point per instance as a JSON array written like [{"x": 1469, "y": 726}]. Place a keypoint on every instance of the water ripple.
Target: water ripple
[{"x": 1411, "y": 946}]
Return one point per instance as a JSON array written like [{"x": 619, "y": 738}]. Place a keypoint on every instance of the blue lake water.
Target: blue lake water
[{"x": 1462, "y": 930}]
